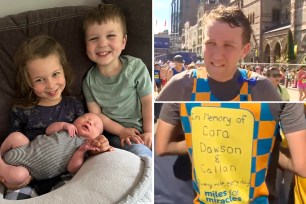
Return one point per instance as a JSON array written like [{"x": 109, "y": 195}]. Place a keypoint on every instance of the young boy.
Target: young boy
[
  {"x": 230, "y": 145},
  {"x": 227, "y": 34},
  {"x": 117, "y": 88},
  {"x": 51, "y": 154}
]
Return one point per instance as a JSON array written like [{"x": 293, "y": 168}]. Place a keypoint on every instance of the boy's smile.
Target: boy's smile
[{"x": 104, "y": 43}]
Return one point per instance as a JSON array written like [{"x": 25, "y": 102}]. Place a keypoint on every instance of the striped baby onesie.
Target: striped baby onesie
[{"x": 45, "y": 156}]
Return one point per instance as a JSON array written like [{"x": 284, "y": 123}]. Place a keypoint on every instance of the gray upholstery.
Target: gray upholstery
[{"x": 65, "y": 25}]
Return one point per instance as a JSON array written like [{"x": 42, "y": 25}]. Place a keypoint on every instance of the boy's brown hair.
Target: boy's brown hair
[
  {"x": 234, "y": 17},
  {"x": 38, "y": 47},
  {"x": 104, "y": 13}
]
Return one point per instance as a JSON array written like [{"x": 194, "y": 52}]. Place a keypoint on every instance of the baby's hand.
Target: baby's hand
[
  {"x": 86, "y": 146},
  {"x": 130, "y": 134},
  {"x": 71, "y": 129},
  {"x": 102, "y": 145}
]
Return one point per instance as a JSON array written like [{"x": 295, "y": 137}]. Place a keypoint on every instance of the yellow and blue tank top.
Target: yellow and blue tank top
[
  {"x": 230, "y": 146},
  {"x": 202, "y": 92}
]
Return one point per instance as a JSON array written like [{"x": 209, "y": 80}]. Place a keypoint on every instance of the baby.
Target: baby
[{"x": 62, "y": 148}]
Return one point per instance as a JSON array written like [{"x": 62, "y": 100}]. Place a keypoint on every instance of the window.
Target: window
[
  {"x": 287, "y": 13},
  {"x": 240, "y": 4},
  {"x": 275, "y": 15},
  {"x": 251, "y": 18}
]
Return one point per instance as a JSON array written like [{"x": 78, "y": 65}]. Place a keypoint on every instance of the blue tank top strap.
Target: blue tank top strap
[
  {"x": 246, "y": 77},
  {"x": 194, "y": 73},
  {"x": 243, "y": 73}
]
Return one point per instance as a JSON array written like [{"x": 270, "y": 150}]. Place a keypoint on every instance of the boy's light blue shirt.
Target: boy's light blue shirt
[{"x": 119, "y": 96}]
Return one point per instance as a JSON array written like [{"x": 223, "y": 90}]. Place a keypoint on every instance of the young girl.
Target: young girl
[{"x": 43, "y": 77}]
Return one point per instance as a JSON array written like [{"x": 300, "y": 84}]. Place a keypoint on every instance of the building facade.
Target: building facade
[
  {"x": 270, "y": 20},
  {"x": 181, "y": 12}
]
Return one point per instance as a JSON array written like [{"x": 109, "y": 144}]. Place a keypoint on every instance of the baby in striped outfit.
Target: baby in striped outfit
[{"x": 62, "y": 148}]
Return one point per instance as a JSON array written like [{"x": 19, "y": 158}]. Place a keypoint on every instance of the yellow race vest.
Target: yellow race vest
[
  {"x": 201, "y": 90},
  {"x": 230, "y": 146}
]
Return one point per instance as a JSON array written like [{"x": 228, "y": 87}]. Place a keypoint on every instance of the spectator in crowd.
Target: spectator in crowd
[
  {"x": 178, "y": 68},
  {"x": 301, "y": 82},
  {"x": 274, "y": 76},
  {"x": 283, "y": 73},
  {"x": 258, "y": 69},
  {"x": 163, "y": 73},
  {"x": 157, "y": 79},
  {"x": 191, "y": 66}
]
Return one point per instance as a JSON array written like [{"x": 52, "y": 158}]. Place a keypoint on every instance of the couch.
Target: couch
[{"x": 111, "y": 177}]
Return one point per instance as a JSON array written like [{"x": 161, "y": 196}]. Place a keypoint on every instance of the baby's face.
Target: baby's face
[{"x": 89, "y": 125}]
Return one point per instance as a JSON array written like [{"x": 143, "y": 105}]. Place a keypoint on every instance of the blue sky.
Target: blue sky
[{"x": 162, "y": 13}]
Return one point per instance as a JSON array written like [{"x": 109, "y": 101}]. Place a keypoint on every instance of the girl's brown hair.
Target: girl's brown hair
[{"x": 37, "y": 47}]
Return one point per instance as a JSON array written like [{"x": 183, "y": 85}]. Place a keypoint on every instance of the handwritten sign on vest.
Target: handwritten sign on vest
[{"x": 222, "y": 140}]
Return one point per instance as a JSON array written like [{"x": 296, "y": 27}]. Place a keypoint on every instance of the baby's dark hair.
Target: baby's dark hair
[
  {"x": 104, "y": 13},
  {"x": 38, "y": 47},
  {"x": 234, "y": 17}
]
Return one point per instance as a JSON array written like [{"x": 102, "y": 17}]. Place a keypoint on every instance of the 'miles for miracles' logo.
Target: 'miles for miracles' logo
[{"x": 222, "y": 153}]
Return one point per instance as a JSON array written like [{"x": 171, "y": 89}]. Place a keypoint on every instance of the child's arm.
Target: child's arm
[
  {"x": 146, "y": 103},
  {"x": 167, "y": 141},
  {"x": 77, "y": 159},
  {"x": 58, "y": 126},
  {"x": 125, "y": 134}
]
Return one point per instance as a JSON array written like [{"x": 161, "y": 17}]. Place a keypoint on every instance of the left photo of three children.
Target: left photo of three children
[
  {"x": 76, "y": 102},
  {"x": 142, "y": 101}
]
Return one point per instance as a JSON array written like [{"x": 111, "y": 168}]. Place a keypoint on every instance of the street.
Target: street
[{"x": 294, "y": 94}]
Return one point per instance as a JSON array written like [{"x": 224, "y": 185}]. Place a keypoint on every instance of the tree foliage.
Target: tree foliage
[{"x": 290, "y": 48}]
